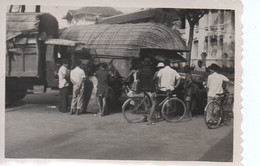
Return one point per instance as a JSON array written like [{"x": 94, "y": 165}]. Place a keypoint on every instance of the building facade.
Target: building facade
[
  {"x": 214, "y": 38},
  {"x": 89, "y": 15}
]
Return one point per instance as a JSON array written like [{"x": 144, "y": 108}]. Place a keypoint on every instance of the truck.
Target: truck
[
  {"x": 27, "y": 56},
  {"x": 35, "y": 46}
]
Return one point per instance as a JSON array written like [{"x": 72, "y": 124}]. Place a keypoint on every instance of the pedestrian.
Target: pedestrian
[
  {"x": 199, "y": 67},
  {"x": 214, "y": 86},
  {"x": 169, "y": 79},
  {"x": 188, "y": 90},
  {"x": 77, "y": 77},
  {"x": 155, "y": 78},
  {"x": 102, "y": 89},
  {"x": 133, "y": 74},
  {"x": 145, "y": 75},
  {"x": 88, "y": 88},
  {"x": 215, "y": 82},
  {"x": 63, "y": 75}
]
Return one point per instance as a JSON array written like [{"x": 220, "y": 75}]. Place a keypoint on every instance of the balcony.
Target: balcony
[
  {"x": 222, "y": 28},
  {"x": 196, "y": 30},
  {"x": 213, "y": 28}
]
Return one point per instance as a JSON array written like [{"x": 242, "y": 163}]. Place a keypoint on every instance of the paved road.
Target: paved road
[{"x": 35, "y": 130}]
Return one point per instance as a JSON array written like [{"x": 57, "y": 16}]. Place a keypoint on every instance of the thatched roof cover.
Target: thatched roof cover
[{"x": 125, "y": 40}]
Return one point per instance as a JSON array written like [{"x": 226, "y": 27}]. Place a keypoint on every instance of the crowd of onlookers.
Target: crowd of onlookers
[
  {"x": 142, "y": 79},
  {"x": 82, "y": 88}
]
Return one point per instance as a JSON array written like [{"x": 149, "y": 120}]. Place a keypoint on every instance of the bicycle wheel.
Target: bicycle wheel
[
  {"x": 212, "y": 114},
  {"x": 173, "y": 110},
  {"x": 136, "y": 110}
]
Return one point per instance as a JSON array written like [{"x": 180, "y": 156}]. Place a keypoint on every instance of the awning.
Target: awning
[
  {"x": 161, "y": 55},
  {"x": 62, "y": 42},
  {"x": 11, "y": 35}
]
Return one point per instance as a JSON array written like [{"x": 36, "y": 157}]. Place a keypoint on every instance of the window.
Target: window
[
  {"x": 221, "y": 17},
  {"x": 195, "y": 49},
  {"x": 221, "y": 43},
  {"x": 214, "y": 46},
  {"x": 214, "y": 17},
  {"x": 206, "y": 45}
]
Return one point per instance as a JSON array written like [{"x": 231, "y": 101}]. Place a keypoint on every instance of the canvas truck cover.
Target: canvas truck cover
[{"x": 24, "y": 54}]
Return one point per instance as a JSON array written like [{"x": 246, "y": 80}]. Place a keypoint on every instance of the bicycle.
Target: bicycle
[
  {"x": 137, "y": 109},
  {"x": 215, "y": 113}
]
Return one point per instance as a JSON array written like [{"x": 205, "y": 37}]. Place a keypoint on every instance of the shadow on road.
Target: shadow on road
[
  {"x": 41, "y": 148},
  {"x": 15, "y": 104},
  {"x": 216, "y": 152}
]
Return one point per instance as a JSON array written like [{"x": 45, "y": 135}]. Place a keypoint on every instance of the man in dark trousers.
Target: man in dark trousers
[
  {"x": 145, "y": 77},
  {"x": 146, "y": 83},
  {"x": 63, "y": 75},
  {"x": 103, "y": 92}
]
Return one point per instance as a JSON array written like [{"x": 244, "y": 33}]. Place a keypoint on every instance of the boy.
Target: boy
[
  {"x": 102, "y": 89},
  {"x": 215, "y": 82}
]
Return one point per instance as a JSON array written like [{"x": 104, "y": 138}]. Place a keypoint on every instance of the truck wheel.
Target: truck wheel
[{"x": 15, "y": 96}]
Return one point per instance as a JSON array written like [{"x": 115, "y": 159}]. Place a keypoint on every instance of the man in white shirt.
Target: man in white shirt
[
  {"x": 199, "y": 67},
  {"x": 167, "y": 78},
  {"x": 166, "y": 81},
  {"x": 63, "y": 75},
  {"x": 215, "y": 82},
  {"x": 77, "y": 76}
]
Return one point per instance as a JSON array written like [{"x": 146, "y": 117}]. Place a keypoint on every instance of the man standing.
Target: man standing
[
  {"x": 77, "y": 76},
  {"x": 215, "y": 82},
  {"x": 167, "y": 78},
  {"x": 146, "y": 83},
  {"x": 103, "y": 93},
  {"x": 199, "y": 67},
  {"x": 166, "y": 82},
  {"x": 145, "y": 77},
  {"x": 63, "y": 75}
]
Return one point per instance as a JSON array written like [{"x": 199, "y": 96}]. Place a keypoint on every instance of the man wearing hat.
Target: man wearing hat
[
  {"x": 159, "y": 67},
  {"x": 63, "y": 75},
  {"x": 168, "y": 77},
  {"x": 215, "y": 82}
]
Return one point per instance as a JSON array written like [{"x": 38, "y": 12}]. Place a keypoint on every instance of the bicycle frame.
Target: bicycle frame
[
  {"x": 142, "y": 101},
  {"x": 220, "y": 101},
  {"x": 168, "y": 96}
]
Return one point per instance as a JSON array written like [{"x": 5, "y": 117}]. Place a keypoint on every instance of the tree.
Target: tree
[{"x": 193, "y": 16}]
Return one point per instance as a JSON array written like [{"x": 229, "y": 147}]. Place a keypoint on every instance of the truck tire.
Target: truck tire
[{"x": 14, "y": 96}]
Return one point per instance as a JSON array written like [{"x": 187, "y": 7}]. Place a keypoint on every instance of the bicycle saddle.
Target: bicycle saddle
[{"x": 222, "y": 94}]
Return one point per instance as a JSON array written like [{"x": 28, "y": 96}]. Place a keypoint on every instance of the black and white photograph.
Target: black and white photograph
[{"x": 109, "y": 83}]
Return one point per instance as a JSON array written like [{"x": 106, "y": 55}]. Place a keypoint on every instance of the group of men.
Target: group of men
[
  {"x": 78, "y": 78},
  {"x": 165, "y": 79},
  {"x": 168, "y": 79}
]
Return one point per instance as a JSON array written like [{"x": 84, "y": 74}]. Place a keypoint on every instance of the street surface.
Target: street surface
[{"x": 35, "y": 129}]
